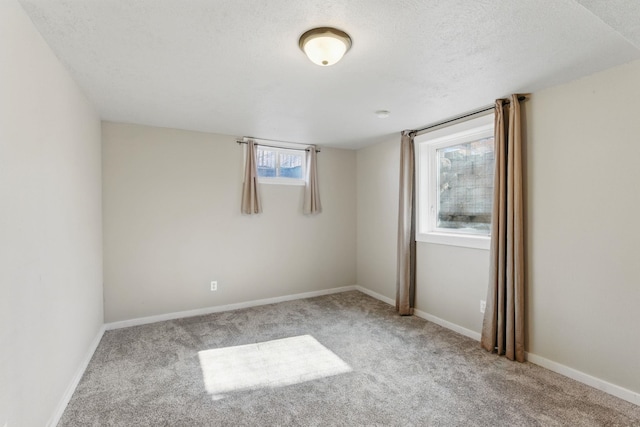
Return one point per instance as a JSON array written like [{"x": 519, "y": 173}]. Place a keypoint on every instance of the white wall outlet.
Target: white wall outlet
[
  {"x": 483, "y": 306},
  {"x": 214, "y": 285}
]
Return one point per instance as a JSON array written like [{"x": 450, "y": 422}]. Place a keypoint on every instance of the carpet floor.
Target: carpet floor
[{"x": 405, "y": 371}]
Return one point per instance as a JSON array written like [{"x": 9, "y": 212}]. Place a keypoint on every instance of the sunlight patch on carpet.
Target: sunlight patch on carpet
[{"x": 274, "y": 363}]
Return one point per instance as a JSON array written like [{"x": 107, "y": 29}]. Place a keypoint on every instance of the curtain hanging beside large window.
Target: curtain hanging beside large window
[
  {"x": 503, "y": 325},
  {"x": 250, "y": 189},
  {"x": 406, "y": 274}
]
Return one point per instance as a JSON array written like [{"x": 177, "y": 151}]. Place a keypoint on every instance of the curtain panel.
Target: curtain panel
[
  {"x": 250, "y": 188},
  {"x": 406, "y": 273},
  {"x": 503, "y": 324},
  {"x": 312, "y": 203}
]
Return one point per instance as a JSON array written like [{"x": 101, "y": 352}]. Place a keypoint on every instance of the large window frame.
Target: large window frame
[{"x": 427, "y": 188}]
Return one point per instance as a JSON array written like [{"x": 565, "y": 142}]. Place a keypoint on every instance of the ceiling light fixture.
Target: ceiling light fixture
[
  {"x": 383, "y": 114},
  {"x": 325, "y": 46}
]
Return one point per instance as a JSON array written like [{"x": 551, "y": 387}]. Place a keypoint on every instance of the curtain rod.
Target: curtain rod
[
  {"x": 464, "y": 116},
  {"x": 242, "y": 141}
]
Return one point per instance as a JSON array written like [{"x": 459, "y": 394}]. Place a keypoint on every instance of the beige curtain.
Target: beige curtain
[
  {"x": 250, "y": 189},
  {"x": 503, "y": 326},
  {"x": 312, "y": 203},
  {"x": 406, "y": 274}
]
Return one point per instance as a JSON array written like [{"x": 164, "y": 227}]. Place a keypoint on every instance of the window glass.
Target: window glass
[
  {"x": 465, "y": 186},
  {"x": 290, "y": 165},
  {"x": 266, "y": 162},
  {"x": 280, "y": 165}
]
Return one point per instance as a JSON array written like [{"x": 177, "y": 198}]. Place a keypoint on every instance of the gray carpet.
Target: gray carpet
[{"x": 406, "y": 372}]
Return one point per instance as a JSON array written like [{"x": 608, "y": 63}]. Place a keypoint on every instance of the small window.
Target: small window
[
  {"x": 280, "y": 165},
  {"x": 455, "y": 184}
]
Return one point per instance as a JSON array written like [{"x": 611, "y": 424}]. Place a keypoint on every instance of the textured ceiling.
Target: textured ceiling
[{"x": 234, "y": 66}]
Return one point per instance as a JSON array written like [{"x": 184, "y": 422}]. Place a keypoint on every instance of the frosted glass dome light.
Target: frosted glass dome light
[{"x": 325, "y": 46}]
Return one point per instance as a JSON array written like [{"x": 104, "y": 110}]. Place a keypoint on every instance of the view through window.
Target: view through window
[
  {"x": 465, "y": 186},
  {"x": 280, "y": 163}
]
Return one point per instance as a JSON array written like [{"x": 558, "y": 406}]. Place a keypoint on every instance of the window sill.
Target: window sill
[
  {"x": 281, "y": 181},
  {"x": 463, "y": 240}
]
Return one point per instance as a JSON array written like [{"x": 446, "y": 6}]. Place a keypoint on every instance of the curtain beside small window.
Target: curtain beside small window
[
  {"x": 503, "y": 325},
  {"x": 312, "y": 203},
  {"x": 250, "y": 189}
]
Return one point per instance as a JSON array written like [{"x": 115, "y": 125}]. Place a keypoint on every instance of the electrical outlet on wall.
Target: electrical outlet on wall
[
  {"x": 483, "y": 306},
  {"x": 214, "y": 285}
]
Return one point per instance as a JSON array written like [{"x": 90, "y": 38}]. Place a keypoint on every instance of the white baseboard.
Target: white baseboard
[
  {"x": 607, "y": 387},
  {"x": 612, "y": 389},
  {"x": 375, "y": 295},
  {"x": 220, "y": 308},
  {"x": 438, "y": 321},
  {"x": 71, "y": 388},
  {"x": 445, "y": 324}
]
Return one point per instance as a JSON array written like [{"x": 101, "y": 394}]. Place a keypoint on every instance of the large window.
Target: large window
[
  {"x": 280, "y": 165},
  {"x": 455, "y": 184}
]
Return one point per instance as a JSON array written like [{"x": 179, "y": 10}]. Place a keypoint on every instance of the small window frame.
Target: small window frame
[
  {"x": 284, "y": 148},
  {"x": 427, "y": 182}
]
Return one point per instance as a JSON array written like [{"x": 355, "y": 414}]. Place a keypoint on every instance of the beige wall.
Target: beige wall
[
  {"x": 172, "y": 224},
  {"x": 583, "y": 202},
  {"x": 378, "y": 172},
  {"x": 583, "y": 280},
  {"x": 50, "y": 225},
  {"x": 464, "y": 271}
]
